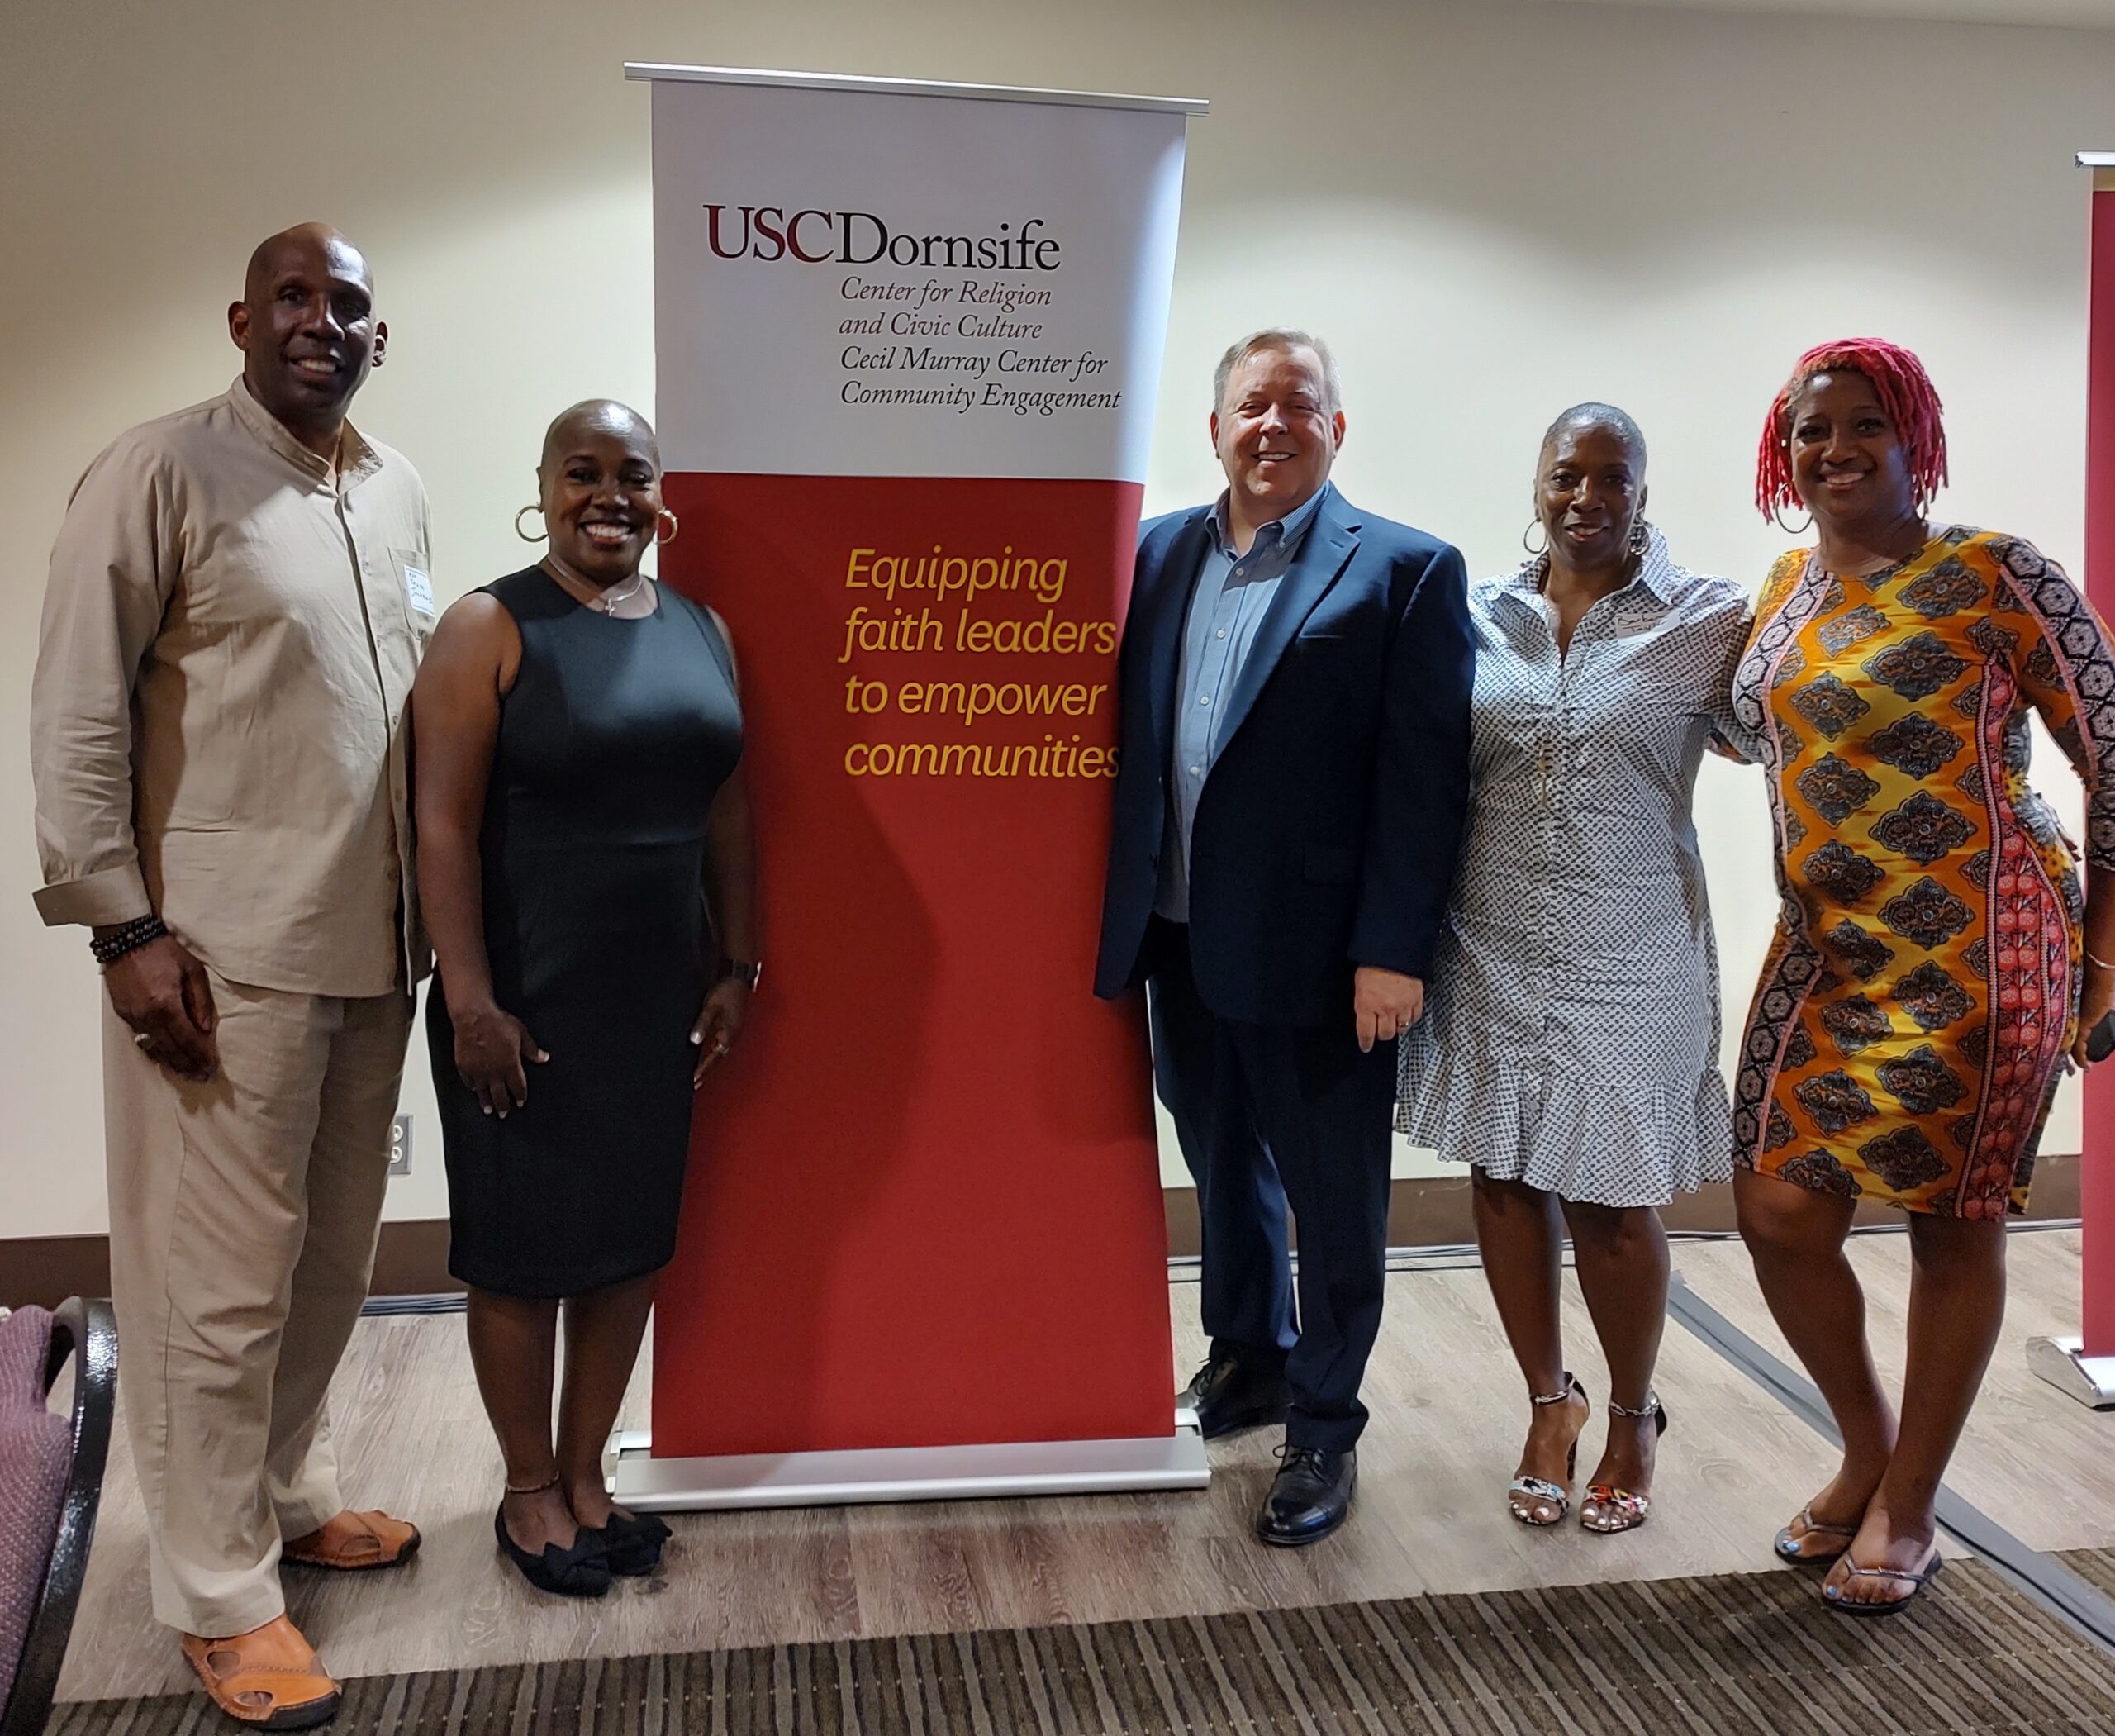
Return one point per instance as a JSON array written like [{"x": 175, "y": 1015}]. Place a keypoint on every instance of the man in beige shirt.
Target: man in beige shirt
[{"x": 238, "y": 599}]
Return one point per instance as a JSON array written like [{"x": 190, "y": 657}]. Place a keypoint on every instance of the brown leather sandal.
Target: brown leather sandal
[
  {"x": 348, "y": 1542},
  {"x": 268, "y": 1678}
]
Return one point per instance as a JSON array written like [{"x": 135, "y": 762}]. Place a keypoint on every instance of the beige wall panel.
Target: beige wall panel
[{"x": 1493, "y": 210}]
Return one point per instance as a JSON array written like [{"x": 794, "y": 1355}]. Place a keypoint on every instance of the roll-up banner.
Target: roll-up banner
[
  {"x": 909, "y": 338},
  {"x": 2084, "y": 1366},
  {"x": 2098, "y": 1184}
]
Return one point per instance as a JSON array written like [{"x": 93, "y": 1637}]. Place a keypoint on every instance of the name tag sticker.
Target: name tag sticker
[{"x": 420, "y": 589}]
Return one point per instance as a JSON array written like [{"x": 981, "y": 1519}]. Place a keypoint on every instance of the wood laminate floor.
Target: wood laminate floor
[{"x": 1448, "y": 1414}]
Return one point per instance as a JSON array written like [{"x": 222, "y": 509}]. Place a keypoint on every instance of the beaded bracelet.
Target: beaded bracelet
[{"x": 129, "y": 938}]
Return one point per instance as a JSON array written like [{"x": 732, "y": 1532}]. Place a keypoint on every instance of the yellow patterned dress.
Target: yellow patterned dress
[{"x": 1907, "y": 1032}]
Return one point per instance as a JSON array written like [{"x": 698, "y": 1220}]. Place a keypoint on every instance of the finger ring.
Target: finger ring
[
  {"x": 720, "y": 1048},
  {"x": 141, "y": 1038}
]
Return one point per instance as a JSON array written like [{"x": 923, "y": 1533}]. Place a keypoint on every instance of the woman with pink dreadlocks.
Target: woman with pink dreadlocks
[{"x": 1935, "y": 969}]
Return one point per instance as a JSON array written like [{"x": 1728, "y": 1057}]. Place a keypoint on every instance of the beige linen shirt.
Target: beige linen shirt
[{"x": 217, "y": 721}]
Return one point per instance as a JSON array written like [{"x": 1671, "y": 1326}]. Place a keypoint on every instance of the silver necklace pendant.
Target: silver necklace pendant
[{"x": 608, "y": 600}]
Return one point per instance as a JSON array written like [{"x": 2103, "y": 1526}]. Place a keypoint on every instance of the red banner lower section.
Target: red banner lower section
[
  {"x": 2097, "y": 1182},
  {"x": 924, "y": 1206}
]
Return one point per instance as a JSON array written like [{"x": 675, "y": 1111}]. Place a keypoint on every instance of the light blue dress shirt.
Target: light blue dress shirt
[{"x": 1233, "y": 594}]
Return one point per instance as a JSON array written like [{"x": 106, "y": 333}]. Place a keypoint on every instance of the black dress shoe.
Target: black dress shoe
[
  {"x": 1228, "y": 1396},
  {"x": 1309, "y": 1497}
]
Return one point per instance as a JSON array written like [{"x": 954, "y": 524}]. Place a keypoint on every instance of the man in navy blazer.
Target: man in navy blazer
[{"x": 1290, "y": 798}]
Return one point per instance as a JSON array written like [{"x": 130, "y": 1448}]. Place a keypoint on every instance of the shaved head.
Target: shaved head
[
  {"x": 599, "y": 482},
  {"x": 272, "y": 254},
  {"x": 595, "y": 415},
  {"x": 306, "y": 328}
]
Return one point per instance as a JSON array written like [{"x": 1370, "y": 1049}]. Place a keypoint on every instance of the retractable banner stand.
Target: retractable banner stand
[
  {"x": 2084, "y": 1367},
  {"x": 2099, "y": 1153},
  {"x": 909, "y": 338}
]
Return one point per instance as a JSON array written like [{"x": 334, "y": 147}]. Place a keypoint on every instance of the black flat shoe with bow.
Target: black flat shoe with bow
[
  {"x": 631, "y": 1542},
  {"x": 583, "y": 1571}
]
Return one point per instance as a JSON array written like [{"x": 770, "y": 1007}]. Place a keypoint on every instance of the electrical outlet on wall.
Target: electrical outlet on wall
[{"x": 400, "y": 1146}]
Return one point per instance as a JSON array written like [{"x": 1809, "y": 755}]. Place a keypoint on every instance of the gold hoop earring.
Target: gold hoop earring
[
  {"x": 675, "y": 525},
  {"x": 1533, "y": 553},
  {"x": 531, "y": 508},
  {"x": 1777, "y": 518}
]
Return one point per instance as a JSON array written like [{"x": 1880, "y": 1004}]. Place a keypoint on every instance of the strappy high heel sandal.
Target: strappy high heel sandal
[
  {"x": 1523, "y": 1489},
  {"x": 1607, "y": 1510}
]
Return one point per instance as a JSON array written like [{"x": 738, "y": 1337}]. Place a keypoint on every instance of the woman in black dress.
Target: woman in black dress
[{"x": 588, "y": 875}]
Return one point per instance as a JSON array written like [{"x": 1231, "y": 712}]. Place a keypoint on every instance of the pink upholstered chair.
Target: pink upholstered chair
[{"x": 50, "y": 1480}]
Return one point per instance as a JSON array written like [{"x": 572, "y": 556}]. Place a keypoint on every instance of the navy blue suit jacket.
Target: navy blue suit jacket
[{"x": 1326, "y": 834}]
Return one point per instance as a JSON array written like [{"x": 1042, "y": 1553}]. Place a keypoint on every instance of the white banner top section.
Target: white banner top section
[
  {"x": 653, "y": 69},
  {"x": 860, "y": 277}
]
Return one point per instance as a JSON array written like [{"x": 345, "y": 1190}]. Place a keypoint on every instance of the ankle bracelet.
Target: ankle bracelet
[
  {"x": 1571, "y": 1385},
  {"x": 1650, "y": 1407},
  {"x": 549, "y": 1482}
]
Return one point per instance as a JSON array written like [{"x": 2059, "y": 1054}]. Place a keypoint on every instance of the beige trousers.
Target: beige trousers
[{"x": 243, "y": 1217}]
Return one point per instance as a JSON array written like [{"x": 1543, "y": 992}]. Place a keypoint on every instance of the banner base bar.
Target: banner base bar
[
  {"x": 2064, "y": 1363},
  {"x": 645, "y": 1484}
]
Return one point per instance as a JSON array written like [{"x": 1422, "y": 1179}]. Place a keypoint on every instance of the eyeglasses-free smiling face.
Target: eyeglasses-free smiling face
[
  {"x": 306, "y": 328},
  {"x": 1848, "y": 460},
  {"x": 1589, "y": 494},
  {"x": 1274, "y": 432},
  {"x": 600, "y": 483}
]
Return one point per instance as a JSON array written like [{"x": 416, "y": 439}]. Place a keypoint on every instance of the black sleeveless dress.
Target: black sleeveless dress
[{"x": 615, "y": 740}]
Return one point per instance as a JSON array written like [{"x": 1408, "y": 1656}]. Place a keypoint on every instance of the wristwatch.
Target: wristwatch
[{"x": 748, "y": 974}]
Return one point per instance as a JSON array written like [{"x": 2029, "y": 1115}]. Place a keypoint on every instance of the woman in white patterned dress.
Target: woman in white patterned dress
[{"x": 1570, "y": 1050}]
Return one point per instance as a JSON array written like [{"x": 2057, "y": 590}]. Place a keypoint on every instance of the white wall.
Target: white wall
[{"x": 1492, "y": 207}]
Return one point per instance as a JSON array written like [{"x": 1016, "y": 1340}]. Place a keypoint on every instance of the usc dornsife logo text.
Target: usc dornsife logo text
[{"x": 860, "y": 238}]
